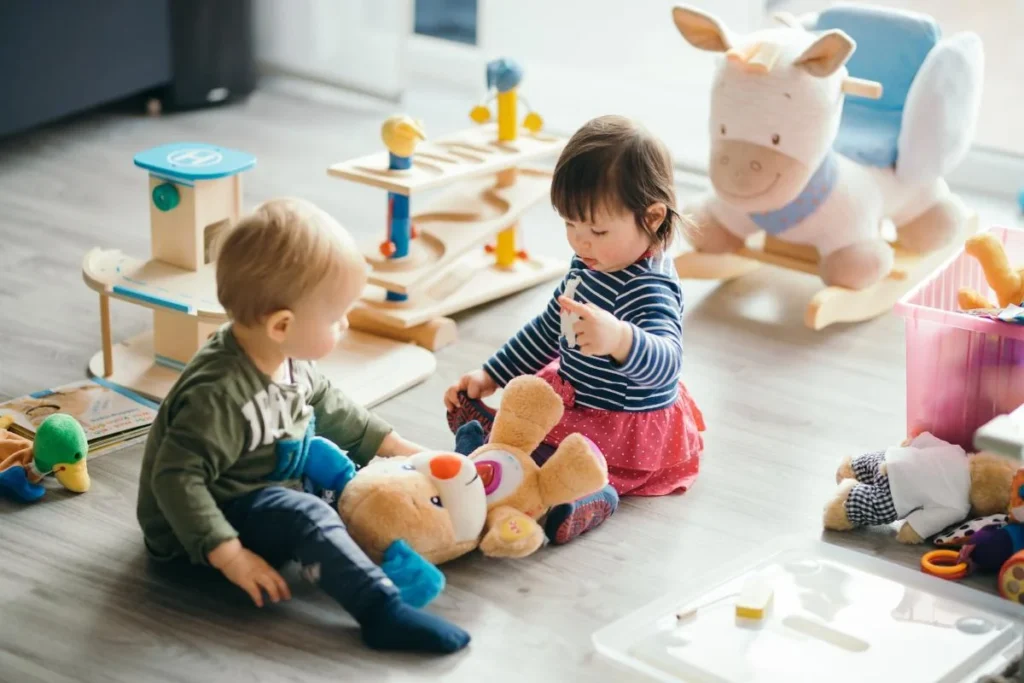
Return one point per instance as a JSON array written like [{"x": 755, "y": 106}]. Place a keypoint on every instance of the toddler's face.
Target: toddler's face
[
  {"x": 320, "y": 320},
  {"x": 611, "y": 242}
]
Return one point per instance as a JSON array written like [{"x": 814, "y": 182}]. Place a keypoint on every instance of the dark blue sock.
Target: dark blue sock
[
  {"x": 566, "y": 522},
  {"x": 397, "y": 626}
]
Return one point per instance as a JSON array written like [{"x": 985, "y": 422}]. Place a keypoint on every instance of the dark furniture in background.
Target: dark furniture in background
[{"x": 61, "y": 57}]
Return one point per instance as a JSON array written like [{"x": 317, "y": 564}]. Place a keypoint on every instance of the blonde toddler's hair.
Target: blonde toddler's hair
[{"x": 278, "y": 254}]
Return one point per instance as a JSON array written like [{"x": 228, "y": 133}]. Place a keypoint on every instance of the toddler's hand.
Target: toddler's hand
[
  {"x": 598, "y": 332},
  {"x": 249, "y": 571},
  {"x": 476, "y": 384}
]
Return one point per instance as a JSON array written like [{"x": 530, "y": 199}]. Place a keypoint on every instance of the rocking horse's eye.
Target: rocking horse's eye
[
  {"x": 775, "y": 139},
  {"x": 722, "y": 128},
  {"x": 436, "y": 501}
]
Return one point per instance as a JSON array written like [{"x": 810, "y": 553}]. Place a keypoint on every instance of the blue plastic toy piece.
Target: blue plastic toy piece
[
  {"x": 891, "y": 47},
  {"x": 14, "y": 482},
  {"x": 417, "y": 580},
  {"x": 187, "y": 162},
  {"x": 504, "y": 74}
]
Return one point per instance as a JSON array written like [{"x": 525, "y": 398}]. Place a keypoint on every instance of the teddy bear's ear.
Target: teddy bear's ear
[{"x": 530, "y": 409}]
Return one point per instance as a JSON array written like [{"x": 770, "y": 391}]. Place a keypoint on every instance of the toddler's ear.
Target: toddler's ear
[
  {"x": 655, "y": 215},
  {"x": 278, "y": 324}
]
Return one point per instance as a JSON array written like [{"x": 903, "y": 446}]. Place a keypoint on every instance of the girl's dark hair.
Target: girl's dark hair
[{"x": 611, "y": 163}]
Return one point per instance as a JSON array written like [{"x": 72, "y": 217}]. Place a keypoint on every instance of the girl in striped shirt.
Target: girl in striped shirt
[{"x": 610, "y": 339}]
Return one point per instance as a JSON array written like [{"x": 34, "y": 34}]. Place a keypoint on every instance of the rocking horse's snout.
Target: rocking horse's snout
[{"x": 755, "y": 177}]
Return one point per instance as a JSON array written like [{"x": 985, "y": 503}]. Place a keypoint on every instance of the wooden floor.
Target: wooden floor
[{"x": 77, "y": 600}]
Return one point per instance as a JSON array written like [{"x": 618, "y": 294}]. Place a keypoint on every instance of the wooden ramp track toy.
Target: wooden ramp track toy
[
  {"x": 195, "y": 191},
  {"x": 440, "y": 261},
  {"x": 832, "y": 304}
]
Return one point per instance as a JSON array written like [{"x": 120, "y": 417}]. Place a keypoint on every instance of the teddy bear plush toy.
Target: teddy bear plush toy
[
  {"x": 926, "y": 482},
  {"x": 410, "y": 514}
]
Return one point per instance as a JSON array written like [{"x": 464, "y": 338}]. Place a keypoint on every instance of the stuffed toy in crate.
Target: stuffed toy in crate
[
  {"x": 926, "y": 482},
  {"x": 792, "y": 157}
]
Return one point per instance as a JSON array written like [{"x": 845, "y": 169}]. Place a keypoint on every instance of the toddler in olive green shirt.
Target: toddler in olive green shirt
[{"x": 221, "y": 474}]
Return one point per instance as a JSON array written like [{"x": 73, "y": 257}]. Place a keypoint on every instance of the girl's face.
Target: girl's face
[{"x": 612, "y": 241}]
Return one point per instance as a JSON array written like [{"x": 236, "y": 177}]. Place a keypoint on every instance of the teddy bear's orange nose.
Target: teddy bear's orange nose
[{"x": 445, "y": 466}]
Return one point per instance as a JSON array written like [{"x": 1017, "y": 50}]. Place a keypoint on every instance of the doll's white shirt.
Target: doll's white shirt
[{"x": 930, "y": 481}]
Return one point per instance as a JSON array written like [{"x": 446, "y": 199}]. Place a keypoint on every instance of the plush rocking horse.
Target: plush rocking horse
[{"x": 804, "y": 178}]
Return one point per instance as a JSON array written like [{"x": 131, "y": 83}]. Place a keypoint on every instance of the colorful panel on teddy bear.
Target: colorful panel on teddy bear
[{"x": 956, "y": 535}]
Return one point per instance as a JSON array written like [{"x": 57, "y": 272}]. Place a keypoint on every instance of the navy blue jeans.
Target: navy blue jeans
[{"x": 280, "y": 524}]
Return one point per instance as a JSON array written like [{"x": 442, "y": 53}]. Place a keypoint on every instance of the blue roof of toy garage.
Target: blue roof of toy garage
[{"x": 191, "y": 161}]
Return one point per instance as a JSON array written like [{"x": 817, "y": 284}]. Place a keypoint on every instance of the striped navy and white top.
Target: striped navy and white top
[{"x": 647, "y": 295}]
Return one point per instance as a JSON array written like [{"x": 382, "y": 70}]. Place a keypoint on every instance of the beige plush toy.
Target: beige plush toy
[
  {"x": 443, "y": 505},
  {"x": 926, "y": 482}
]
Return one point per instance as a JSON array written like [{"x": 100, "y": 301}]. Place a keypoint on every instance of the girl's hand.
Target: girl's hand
[
  {"x": 476, "y": 384},
  {"x": 598, "y": 332}
]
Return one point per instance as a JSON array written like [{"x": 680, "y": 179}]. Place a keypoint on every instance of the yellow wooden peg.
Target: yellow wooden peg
[
  {"x": 480, "y": 114},
  {"x": 533, "y": 122}
]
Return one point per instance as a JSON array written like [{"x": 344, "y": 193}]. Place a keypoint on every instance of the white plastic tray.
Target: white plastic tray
[{"x": 836, "y": 615}]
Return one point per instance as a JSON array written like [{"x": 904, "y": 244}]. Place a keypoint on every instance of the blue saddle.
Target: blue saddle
[{"x": 891, "y": 47}]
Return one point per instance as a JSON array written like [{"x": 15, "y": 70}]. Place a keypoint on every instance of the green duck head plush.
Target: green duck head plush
[{"x": 61, "y": 447}]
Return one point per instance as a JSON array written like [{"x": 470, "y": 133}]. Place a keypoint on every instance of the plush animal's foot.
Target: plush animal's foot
[
  {"x": 711, "y": 237},
  {"x": 932, "y": 230},
  {"x": 835, "y": 517},
  {"x": 845, "y": 470},
  {"x": 907, "y": 535},
  {"x": 857, "y": 266}
]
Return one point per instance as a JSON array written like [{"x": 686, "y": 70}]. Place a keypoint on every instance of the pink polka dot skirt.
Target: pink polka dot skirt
[{"x": 651, "y": 453}]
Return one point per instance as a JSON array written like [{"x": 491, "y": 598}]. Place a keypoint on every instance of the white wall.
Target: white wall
[
  {"x": 357, "y": 44},
  {"x": 584, "y": 58}
]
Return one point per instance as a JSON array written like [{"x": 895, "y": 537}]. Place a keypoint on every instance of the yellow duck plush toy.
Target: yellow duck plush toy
[{"x": 1007, "y": 283}]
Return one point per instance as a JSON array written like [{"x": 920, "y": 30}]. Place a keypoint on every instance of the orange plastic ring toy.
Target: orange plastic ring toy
[{"x": 943, "y": 563}]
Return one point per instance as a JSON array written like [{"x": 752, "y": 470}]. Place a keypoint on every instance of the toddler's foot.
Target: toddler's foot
[
  {"x": 470, "y": 409},
  {"x": 397, "y": 626},
  {"x": 566, "y": 522}
]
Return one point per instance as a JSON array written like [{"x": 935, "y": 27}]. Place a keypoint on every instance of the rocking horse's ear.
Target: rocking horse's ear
[
  {"x": 829, "y": 52},
  {"x": 701, "y": 30}
]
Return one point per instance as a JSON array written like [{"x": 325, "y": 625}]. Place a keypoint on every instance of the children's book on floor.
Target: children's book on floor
[{"x": 112, "y": 417}]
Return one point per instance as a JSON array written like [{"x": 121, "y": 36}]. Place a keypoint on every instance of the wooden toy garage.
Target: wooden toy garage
[
  {"x": 440, "y": 260},
  {"x": 195, "y": 191}
]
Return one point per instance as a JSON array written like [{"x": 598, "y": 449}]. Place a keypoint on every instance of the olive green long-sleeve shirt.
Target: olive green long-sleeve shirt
[{"x": 216, "y": 437}]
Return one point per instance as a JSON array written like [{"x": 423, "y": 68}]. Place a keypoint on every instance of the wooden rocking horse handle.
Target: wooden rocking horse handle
[{"x": 861, "y": 87}]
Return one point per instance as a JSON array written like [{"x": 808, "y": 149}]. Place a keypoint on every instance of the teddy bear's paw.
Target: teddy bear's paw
[
  {"x": 835, "y": 517},
  {"x": 514, "y": 536},
  {"x": 907, "y": 535},
  {"x": 845, "y": 470}
]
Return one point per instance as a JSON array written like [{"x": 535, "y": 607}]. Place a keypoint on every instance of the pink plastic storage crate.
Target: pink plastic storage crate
[{"x": 962, "y": 370}]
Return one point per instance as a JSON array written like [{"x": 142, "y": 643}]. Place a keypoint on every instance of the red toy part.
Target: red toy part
[
  {"x": 489, "y": 248},
  {"x": 387, "y": 248},
  {"x": 1011, "y": 578},
  {"x": 414, "y": 232},
  {"x": 522, "y": 255}
]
